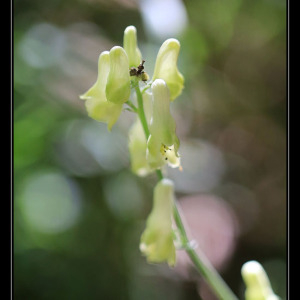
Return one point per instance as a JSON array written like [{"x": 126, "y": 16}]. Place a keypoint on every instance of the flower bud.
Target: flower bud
[
  {"x": 118, "y": 81},
  {"x": 258, "y": 286},
  {"x": 163, "y": 144},
  {"x": 96, "y": 103},
  {"x": 166, "y": 67},
  {"x": 157, "y": 239},
  {"x": 130, "y": 46}
]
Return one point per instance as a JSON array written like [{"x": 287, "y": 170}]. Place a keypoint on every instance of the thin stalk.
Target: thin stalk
[
  {"x": 146, "y": 88},
  {"x": 141, "y": 111},
  {"x": 201, "y": 263},
  {"x": 132, "y": 106}
]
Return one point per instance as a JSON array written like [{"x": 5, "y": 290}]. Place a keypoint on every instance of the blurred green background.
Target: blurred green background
[{"x": 79, "y": 211}]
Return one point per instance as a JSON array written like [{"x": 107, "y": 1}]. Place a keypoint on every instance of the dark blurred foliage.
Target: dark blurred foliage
[{"x": 79, "y": 211}]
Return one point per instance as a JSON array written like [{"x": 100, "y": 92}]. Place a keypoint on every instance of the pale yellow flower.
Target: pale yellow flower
[
  {"x": 157, "y": 239},
  {"x": 166, "y": 67},
  {"x": 258, "y": 286},
  {"x": 163, "y": 143},
  {"x": 96, "y": 103}
]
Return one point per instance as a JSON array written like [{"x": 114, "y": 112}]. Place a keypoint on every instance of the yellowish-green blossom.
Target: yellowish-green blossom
[
  {"x": 138, "y": 141},
  {"x": 96, "y": 103},
  {"x": 118, "y": 81},
  {"x": 157, "y": 239},
  {"x": 258, "y": 286},
  {"x": 166, "y": 67},
  {"x": 163, "y": 143},
  {"x": 131, "y": 47}
]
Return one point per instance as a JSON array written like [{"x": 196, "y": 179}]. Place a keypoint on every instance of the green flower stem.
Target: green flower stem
[
  {"x": 159, "y": 174},
  {"x": 201, "y": 263},
  {"x": 141, "y": 111},
  {"x": 132, "y": 106},
  {"x": 148, "y": 86}
]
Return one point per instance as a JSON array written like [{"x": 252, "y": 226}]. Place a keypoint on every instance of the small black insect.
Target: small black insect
[
  {"x": 133, "y": 72},
  {"x": 139, "y": 71},
  {"x": 140, "y": 68}
]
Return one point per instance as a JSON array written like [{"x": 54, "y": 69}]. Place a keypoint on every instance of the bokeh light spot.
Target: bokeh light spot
[
  {"x": 43, "y": 45},
  {"x": 50, "y": 202},
  {"x": 212, "y": 223},
  {"x": 203, "y": 167},
  {"x": 124, "y": 196},
  {"x": 164, "y": 19}
]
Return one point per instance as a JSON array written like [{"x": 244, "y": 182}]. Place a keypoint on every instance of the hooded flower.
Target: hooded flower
[
  {"x": 258, "y": 286},
  {"x": 166, "y": 67},
  {"x": 96, "y": 103},
  {"x": 104, "y": 100},
  {"x": 157, "y": 239},
  {"x": 163, "y": 143}
]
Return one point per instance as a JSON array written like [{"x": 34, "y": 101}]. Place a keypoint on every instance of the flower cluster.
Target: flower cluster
[
  {"x": 120, "y": 71},
  {"x": 153, "y": 143}
]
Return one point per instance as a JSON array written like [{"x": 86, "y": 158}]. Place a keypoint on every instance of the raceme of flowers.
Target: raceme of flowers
[{"x": 120, "y": 72}]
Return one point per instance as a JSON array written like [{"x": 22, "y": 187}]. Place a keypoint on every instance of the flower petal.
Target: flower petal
[
  {"x": 137, "y": 149},
  {"x": 138, "y": 142},
  {"x": 130, "y": 46},
  {"x": 96, "y": 103},
  {"x": 166, "y": 67},
  {"x": 118, "y": 81}
]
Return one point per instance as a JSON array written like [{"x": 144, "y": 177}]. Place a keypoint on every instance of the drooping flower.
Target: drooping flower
[
  {"x": 157, "y": 239},
  {"x": 97, "y": 105},
  {"x": 258, "y": 286},
  {"x": 163, "y": 143},
  {"x": 166, "y": 67}
]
